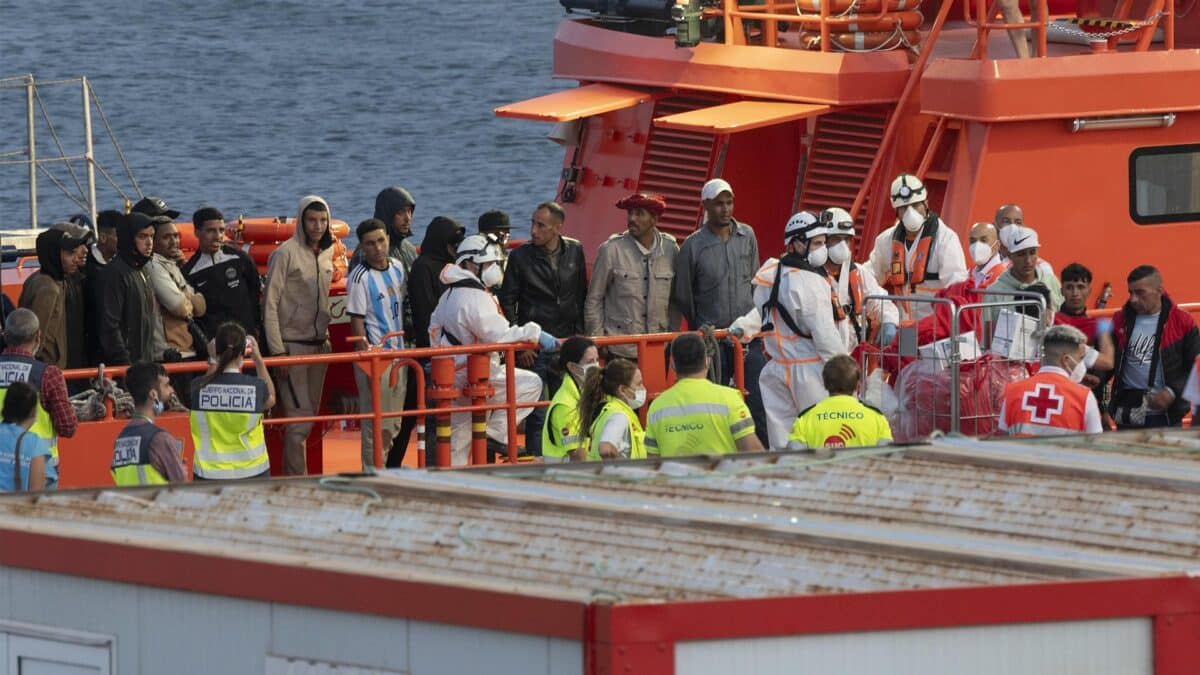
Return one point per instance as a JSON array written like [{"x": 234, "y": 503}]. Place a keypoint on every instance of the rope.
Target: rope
[
  {"x": 58, "y": 142},
  {"x": 111, "y": 182},
  {"x": 78, "y": 202},
  {"x": 341, "y": 484},
  {"x": 113, "y": 138}
]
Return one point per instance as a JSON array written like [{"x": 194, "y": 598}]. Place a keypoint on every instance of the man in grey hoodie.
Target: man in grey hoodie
[{"x": 296, "y": 320}]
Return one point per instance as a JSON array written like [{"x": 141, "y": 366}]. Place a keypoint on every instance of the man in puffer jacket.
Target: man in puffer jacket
[
  {"x": 296, "y": 320},
  {"x": 130, "y": 311}
]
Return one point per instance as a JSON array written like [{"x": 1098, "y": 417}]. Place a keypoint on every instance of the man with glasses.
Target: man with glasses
[{"x": 224, "y": 275}]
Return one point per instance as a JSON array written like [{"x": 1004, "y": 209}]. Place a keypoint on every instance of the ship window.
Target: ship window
[{"x": 1164, "y": 184}]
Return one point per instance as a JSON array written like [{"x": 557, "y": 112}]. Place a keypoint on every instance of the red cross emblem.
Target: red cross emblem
[{"x": 1042, "y": 402}]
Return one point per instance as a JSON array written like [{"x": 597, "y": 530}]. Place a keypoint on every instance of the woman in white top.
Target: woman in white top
[{"x": 607, "y": 409}]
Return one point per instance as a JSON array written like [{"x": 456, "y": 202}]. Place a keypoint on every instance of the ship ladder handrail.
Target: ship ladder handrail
[{"x": 651, "y": 357}]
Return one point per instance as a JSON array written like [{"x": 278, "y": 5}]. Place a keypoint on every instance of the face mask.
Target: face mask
[
  {"x": 839, "y": 253},
  {"x": 818, "y": 257},
  {"x": 581, "y": 372},
  {"x": 1078, "y": 371},
  {"x": 639, "y": 398},
  {"x": 981, "y": 252},
  {"x": 158, "y": 408},
  {"x": 492, "y": 276},
  {"x": 912, "y": 219}
]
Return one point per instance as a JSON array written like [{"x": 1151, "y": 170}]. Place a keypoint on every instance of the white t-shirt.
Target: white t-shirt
[
  {"x": 1191, "y": 391},
  {"x": 616, "y": 433}
]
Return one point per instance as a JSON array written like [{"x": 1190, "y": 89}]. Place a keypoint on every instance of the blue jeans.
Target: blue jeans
[{"x": 544, "y": 367}]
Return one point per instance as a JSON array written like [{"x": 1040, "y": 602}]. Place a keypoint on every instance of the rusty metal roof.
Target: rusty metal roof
[{"x": 950, "y": 513}]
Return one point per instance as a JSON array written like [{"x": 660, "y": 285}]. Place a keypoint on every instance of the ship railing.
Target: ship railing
[
  {"x": 979, "y": 13},
  {"x": 771, "y": 13},
  {"x": 441, "y": 397}
]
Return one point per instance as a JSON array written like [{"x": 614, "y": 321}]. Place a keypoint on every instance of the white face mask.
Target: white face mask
[
  {"x": 912, "y": 219},
  {"x": 981, "y": 252},
  {"x": 492, "y": 276},
  {"x": 585, "y": 370},
  {"x": 1078, "y": 371},
  {"x": 639, "y": 398},
  {"x": 839, "y": 253},
  {"x": 817, "y": 257}
]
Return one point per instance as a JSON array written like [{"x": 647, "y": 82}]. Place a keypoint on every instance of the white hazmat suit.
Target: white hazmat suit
[{"x": 946, "y": 262}]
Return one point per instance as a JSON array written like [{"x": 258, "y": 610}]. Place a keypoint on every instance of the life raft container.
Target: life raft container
[{"x": 859, "y": 41}]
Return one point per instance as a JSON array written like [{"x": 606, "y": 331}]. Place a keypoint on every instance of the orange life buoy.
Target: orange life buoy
[
  {"x": 859, "y": 6},
  {"x": 861, "y": 40},
  {"x": 256, "y": 230},
  {"x": 908, "y": 21}
]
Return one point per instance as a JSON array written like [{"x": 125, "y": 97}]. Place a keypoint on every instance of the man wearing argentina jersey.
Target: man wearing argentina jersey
[{"x": 375, "y": 303}]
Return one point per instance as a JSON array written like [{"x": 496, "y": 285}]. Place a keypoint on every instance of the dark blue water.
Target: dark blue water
[{"x": 249, "y": 105}]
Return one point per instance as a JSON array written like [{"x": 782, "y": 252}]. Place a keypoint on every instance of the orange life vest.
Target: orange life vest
[
  {"x": 851, "y": 310},
  {"x": 1045, "y": 400},
  {"x": 902, "y": 280}
]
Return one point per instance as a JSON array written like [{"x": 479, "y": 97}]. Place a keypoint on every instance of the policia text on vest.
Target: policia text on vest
[{"x": 227, "y": 427}]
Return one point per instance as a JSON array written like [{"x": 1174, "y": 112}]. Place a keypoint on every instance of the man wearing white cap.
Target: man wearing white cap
[
  {"x": 920, "y": 254},
  {"x": 793, "y": 311},
  {"x": 712, "y": 281},
  {"x": 1024, "y": 273}
]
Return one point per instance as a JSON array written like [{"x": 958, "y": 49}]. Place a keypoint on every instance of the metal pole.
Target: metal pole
[
  {"x": 32, "y": 144},
  {"x": 89, "y": 157}
]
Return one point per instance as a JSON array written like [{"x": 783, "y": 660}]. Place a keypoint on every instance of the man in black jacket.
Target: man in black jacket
[
  {"x": 226, "y": 277},
  {"x": 129, "y": 311},
  {"x": 545, "y": 282},
  {"x": 99, "y": 255},
  {"x": 442, "y": 237}
]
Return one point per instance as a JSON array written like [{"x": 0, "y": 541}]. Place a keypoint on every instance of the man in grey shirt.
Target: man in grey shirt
[{"x": 712, "y": 283}]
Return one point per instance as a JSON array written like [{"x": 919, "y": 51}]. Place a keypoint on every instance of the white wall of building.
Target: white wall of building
[
  {"x": 162, "y": 631},
  {"x": 1116, "y": 647}
]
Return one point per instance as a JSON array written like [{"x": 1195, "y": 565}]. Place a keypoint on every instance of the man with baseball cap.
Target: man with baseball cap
[
  {"x": 496, "y": 227},
  {"x": 154, "y": 207},
  {"x": 794, "y": 312},
  {"x": 1024, "y": 272},
  {"x": 630, "y": 292}
]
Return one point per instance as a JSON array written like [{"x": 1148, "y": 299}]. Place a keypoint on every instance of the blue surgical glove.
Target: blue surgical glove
[
  {"x": 887, "y": 333},
  {"x": 1104, "y": 326},
  {"x": 548, "y": 343}
]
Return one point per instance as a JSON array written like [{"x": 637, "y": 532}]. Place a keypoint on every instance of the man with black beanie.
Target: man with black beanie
[{"x": 129, "y": 310}]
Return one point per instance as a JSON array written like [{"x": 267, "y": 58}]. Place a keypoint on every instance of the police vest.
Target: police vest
[
  {"x": 131, "y": 456},
  {"x": 637, "y": 437},
  {"x": 227, "y": 430},
  {"x": 697, "y": 417},
  {"x": 1045, "y": 404},
  {"x": 560, "y": 434},
  {"x": 18, "y": 368},
  {"x": 841, "y": 421}
]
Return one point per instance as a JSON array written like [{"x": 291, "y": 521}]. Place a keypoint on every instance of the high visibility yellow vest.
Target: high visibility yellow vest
[
  {"x": 131, "y": 456},
  {"x": 18, "y": 368},
  {"x": 227, "y": 427},
  {"x": 841, "y": 422},
  {"x": 561, "y": 433},
  {"x": 697, "y": 417},
  {"x": 637, "y": 437}
]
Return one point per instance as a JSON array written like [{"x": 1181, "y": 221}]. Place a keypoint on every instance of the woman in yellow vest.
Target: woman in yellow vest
[
  {"x": 561, "y": 435},
  {"x": 607, "y": 409},
  {"x": 227, "y": 410}
]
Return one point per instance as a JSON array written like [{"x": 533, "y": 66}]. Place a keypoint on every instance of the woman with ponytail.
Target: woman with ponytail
[
  {"x": 607, "y": 409},
  {"x": 227, "y": 409},
  {"x": 562, "y": 435}
]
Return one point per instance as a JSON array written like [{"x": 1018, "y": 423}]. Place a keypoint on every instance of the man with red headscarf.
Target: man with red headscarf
[{"x": 631, "y": 279}]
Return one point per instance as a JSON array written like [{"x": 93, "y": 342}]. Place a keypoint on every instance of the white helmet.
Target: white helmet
[
  {"x": 802, "y": 224},
  {"x": 478, "y": 250},
  {"x": 837, "y": 221},
  {"x": 907, "y": 189}
]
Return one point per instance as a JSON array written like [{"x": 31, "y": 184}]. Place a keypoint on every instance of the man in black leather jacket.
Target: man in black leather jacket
[{"x": 545, "y": 282}]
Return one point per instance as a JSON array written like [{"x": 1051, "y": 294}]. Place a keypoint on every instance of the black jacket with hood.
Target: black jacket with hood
[
  {"x": 129, "y": 311},
  {"x": 424, "y": 286}
]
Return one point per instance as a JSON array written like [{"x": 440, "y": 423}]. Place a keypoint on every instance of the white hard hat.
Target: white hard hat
[
  {"x": 802, "y": 224},
  {"x": 837, "y": 221},
  {"x": 713, "y": 188},
  {"x": 907, "y": 189},
  {"x": 478, "y": 250}
]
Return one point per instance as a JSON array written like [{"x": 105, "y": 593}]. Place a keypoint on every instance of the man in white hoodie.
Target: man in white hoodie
[
  {"x": 467, "y": 314},
  {"x": 920, "y": 254},
  {"x": 296, "y": 320}
]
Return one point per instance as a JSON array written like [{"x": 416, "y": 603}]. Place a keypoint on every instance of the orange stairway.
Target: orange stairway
[
  {"x": 676, "y": 165},
  {"x": 843, "y": 145}
]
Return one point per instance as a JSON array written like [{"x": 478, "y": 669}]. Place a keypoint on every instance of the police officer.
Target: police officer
[
  {"x": 696, "y": 416},
  {"x": 794, "y": 312},
  {"x": 145, "y": 453},
  {"x": 851, "y": 284},
  {"x": 840, "y": 421},
  {"x": 920, "y": 254},
  {"x": 227, "y": 410}
]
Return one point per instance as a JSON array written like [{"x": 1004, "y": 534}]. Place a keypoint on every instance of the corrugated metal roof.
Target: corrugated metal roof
[{"x": 952, "y": 513}]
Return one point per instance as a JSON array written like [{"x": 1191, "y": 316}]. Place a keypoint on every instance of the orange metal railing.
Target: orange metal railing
[
  {"x": 651, "y": 356},
  {"x": 773, "y": 12},
  {"x": 987, "y": 8}
]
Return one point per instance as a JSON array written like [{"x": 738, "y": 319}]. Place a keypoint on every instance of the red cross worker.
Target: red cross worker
[{"x": 1053, "y": 402}]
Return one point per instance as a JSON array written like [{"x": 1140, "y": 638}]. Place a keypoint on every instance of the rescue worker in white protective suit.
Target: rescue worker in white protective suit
[
  {"x": 793, "y": 310},
  {"x": 467, "y": 314},
  {"x": 852, "y": 284},
  {"x": 920, "y": 254}
]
